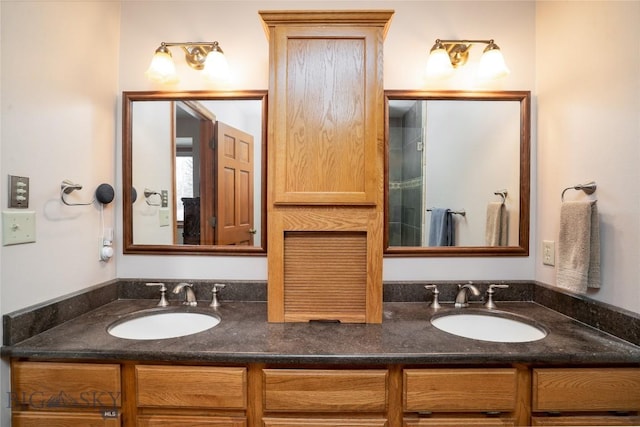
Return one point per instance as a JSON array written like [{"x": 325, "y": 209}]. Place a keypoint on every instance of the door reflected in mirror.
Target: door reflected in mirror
[
  {"x": 193, "y": 169},
  {"x": 457, "y": 178}
]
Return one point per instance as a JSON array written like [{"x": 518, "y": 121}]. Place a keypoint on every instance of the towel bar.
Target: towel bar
[
  {"x": 461, "y": 212},
  {"x": 588, "y": 188}
]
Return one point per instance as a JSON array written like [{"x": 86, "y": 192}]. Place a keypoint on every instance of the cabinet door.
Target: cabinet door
[
  {"x": 460, "y": 390},
  {"x": 306, "y": 390},
  {"x": 60, "y": 386},
  {"x": 325, "y": 146},
  {"x": 191, "y": 387},
  {"x": 458, "y": 422},
  {"x": 190, "y": 421},
  {"x": 586, "y": 421},
  {"x": 60, "y": 419},
  {"x": 573, "y": 389},
  {"x": 329, "y": 422}
]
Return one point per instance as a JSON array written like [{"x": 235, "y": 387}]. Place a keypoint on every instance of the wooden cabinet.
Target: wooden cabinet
[
  {"x": 319, "y": 397},
  {"x": 482, "y": 397},
  {"x": 325, "y": 204},
  {"x": 133, "y": 394},
  {"x": 65, "y": 394},
  {"x": 581, "y": 396}
]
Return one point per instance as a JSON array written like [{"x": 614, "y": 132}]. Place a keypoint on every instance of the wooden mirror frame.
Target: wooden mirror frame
[
  {"x": 127, "y": 168},
  {"x": 522, "y": 249}
]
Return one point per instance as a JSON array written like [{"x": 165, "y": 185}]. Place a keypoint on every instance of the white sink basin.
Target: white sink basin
[
  {"x": 155, "y": 325},
  {"x": 484, "y": 326}
]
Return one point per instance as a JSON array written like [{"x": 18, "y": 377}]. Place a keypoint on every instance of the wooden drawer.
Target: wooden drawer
[
  {"x": 61, "y": 419},
  {"x": 325, "y": 390},
  {"x": 602, "y": 389},
  {"x": 333, "y": 422},
  {"x": 60, "y": 386},
  {"x": 191, "y": 387},
  {"x": 585, "y": 421},
  {"x": 190, "y": 421},
  {"x": 460, "y": 390},
  {"x": 460, "y": 421}
]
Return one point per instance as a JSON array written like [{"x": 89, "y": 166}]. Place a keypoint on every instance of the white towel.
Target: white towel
[
  {"x": 579, "y": 246},
  {"x": 497, "y": 228}
]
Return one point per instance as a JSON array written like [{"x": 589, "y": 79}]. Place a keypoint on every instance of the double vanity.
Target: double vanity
[
  {"x": 326, "y": 343},
  {"x": 242, "y": 370}
]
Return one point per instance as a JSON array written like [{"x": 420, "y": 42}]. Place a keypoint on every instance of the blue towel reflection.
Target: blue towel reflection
[{"x": 441, "y": 230}]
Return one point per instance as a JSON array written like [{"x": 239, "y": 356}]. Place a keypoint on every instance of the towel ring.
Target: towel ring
[
  {"x": 103, "y": 194},
  {"x": 588, "y": 188},
  {"x": 503, "y": 194}
]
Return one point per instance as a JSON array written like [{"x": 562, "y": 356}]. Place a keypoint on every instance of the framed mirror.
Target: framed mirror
[
  {"x": 194, "y": 172},
  {"x": 457, "y": 176}
]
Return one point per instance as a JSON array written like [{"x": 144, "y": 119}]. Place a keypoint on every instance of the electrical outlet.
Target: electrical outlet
[{"x": 548, "y": 252}]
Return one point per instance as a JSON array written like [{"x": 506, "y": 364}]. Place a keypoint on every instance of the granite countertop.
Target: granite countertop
[{"x": 406, "y": 336}]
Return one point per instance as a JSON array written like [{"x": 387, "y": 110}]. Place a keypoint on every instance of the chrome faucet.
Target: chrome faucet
[
  {"x": 462, "y": 298},
  {"x": 189, "y": 296}
]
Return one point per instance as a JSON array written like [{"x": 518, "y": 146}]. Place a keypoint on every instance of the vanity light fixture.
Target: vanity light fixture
[
  {"x": 207, "y": 57},
  {"x": 445, "y": 55}
]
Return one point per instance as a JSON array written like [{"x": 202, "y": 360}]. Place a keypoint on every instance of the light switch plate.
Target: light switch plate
[
  {"x": 18, "y": 192},
  {"x": 18, "y": 227},
  {"x": 164, "y": 217}
]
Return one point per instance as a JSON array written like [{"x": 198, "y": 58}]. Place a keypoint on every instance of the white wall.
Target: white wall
[
  {"x": 58, "y": 122},
  {"x": 59, "y": 85},
  {"x": 238, "y": 28},
  {"x": 588, "y": 85}
]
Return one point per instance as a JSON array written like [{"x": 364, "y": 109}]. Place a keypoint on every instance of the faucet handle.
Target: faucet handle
[
  {"x": 435, "y": 304},
  {"x": 217, "y": 287},
  {"x": 163, "y": 290},
  {"x": 490, "y": 291}
]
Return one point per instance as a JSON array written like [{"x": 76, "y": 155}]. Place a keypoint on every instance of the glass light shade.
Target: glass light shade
[
  {"x": 492, "y": 65},
  {"x": 439, "y": 64},
  {"x": 216, "y": 67},
  {"x": 162, "y": 69}
]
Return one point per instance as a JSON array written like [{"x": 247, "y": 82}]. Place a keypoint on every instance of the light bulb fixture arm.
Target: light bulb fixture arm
[
  {"x": 458, "y": 50},
  {"x": 195, "y": 52}
]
